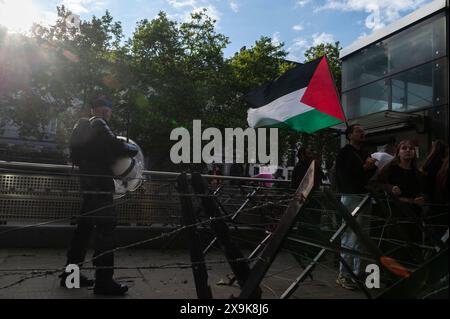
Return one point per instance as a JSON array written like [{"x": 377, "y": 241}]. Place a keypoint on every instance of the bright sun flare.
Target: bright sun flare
[{"x": 18, "y": 15}]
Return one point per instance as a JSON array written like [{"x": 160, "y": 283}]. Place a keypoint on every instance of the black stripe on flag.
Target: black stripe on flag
[{"x": 292, "y": 80}]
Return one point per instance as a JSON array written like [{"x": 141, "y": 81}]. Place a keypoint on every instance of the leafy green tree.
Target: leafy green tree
[
  {"x": 331, "y": 51},
  {"x": 179, "y": 70},
  {"x": 251, "y": 68},
  {"x": 326, "y": 142},
  {"x": 57, "y": 71},
  {"x": 261, "y": 63},
  {"x": 165, "y": 76}
]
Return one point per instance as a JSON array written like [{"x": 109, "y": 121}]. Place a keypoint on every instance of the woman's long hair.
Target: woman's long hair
[
  {"x": 385, "y": 170},
  {"x": 438, "y": 151},
  {"x": 442, "y": 179},
  {"x": 380, "y": 182},
  {"x": 396, "y": 159}
]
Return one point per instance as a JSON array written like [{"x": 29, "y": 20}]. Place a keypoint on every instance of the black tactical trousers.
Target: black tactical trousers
[{"x": 98, "y": 217}]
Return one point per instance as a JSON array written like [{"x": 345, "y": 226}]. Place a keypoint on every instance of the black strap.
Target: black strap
[{"x": 129, "y": 169}]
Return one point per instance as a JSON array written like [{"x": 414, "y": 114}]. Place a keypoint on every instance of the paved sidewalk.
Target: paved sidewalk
[{"x": 161, "y": 283}]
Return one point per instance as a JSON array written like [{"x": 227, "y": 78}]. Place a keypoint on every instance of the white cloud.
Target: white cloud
[
  {"x": 380, "y": 12},
  {"x": 179, "y": 4},
  {"x": 211, "y": 11},
  {"x": 322, "y": 38},
  {"x": 302, "y": 3},
  {"x": 84, "y": 6},
  {"x": 297, "y": 27},
  {"x": 76, "y": 6},
  {"x": 297, "y": 49},
  {"x": 187, "y": 7},
  {"x": 234, "y": 6},
  {"x": 276, "y": 40},
  {"x": 362, "y": 35},
  {"x": 300, "y": 45}
]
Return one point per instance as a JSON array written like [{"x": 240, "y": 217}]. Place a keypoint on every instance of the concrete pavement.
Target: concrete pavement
[{"x": 169, "y": 282}]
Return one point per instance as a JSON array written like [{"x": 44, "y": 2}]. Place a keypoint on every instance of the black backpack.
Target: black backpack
[{"x": 79, "y": 140}]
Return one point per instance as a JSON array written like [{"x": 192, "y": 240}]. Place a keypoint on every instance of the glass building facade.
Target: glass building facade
[{"x": 406, "y": 71}]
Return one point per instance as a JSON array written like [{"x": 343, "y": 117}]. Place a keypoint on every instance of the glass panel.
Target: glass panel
[
  {"x": 367, "y": 65},
  {"x": 423, "y": 42},
  {"x": 413, "y": 89},
  {"x": 438, "y": 122},
  {"x": 421, "y": 87},
  {"x": 371, "y": 98},
  {"x": 440, "y": 76}
]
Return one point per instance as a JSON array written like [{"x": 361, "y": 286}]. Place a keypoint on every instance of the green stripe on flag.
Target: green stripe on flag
[
  {"x": 312, "y": 121},
  {"x": 308, "y": 122}
]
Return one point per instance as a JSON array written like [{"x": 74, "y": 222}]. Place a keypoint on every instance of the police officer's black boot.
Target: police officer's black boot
[
  {"x": 106, "y": 285},
  {"x": 109, "y": 288}
]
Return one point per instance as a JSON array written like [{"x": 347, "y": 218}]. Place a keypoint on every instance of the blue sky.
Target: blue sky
[{"x": 297, "y": 23}]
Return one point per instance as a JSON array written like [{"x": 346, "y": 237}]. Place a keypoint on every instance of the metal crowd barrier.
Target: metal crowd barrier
[{"x": 31, "y": 192}]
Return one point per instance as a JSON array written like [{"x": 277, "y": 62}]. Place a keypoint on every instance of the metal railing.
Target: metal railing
[{"x": 31, "y": 192}]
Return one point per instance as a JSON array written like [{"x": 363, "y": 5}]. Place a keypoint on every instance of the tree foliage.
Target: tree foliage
[
  {"x": 326, "y": 142},
  {"x": 165, "y": 76},
  {"x": 331, "y": 51},
  {"x": 56, "y": 69}
]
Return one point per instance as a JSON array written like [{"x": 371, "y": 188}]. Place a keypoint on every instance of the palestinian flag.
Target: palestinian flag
[{"x": 303, "y": 99}]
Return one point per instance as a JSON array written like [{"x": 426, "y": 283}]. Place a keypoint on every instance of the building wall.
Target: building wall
[
  {"x": 14, "y": 147},
  {"x": 11, "y": 132},
  {"x": 405, "y": 72}
]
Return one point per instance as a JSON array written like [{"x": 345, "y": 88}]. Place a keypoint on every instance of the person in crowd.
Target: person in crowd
[
  {"x": 354, "y": 167},
  {"x": 305, "y": 157},
  {"x": 237, "y": 170},
  {"x": 437, "y": 214},
  {"x": 441, "y": 194},
  {"x": 402, "y": 180},
  {"x": 308, "y": 224},
  {"x": 216, "y": 171},
  {"x": 94, "y": 149},
  {"x": 436, "y": 211},
  {"x": 431, "y": 166},
  {"x": 385, "y": 156},
  {"x": 279, "y": 176},
  {"x": 378, "y": 221}
]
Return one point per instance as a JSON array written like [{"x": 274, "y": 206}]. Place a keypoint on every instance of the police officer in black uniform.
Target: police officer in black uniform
[{"x": 101, "y": 149}]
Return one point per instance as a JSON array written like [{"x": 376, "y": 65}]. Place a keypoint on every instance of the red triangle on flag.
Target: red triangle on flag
[{"x": 321, "y": 92}]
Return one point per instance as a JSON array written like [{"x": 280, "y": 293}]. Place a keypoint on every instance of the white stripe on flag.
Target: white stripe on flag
[{"x": 280, "y": 110}]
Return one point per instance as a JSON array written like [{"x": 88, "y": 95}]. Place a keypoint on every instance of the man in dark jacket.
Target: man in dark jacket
[
  {"x": 305, "y": 157},
  {"x": 101, "y": 149},
  {"x": 309, "y": 220},
  {"x": 354, "y": 168}
]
